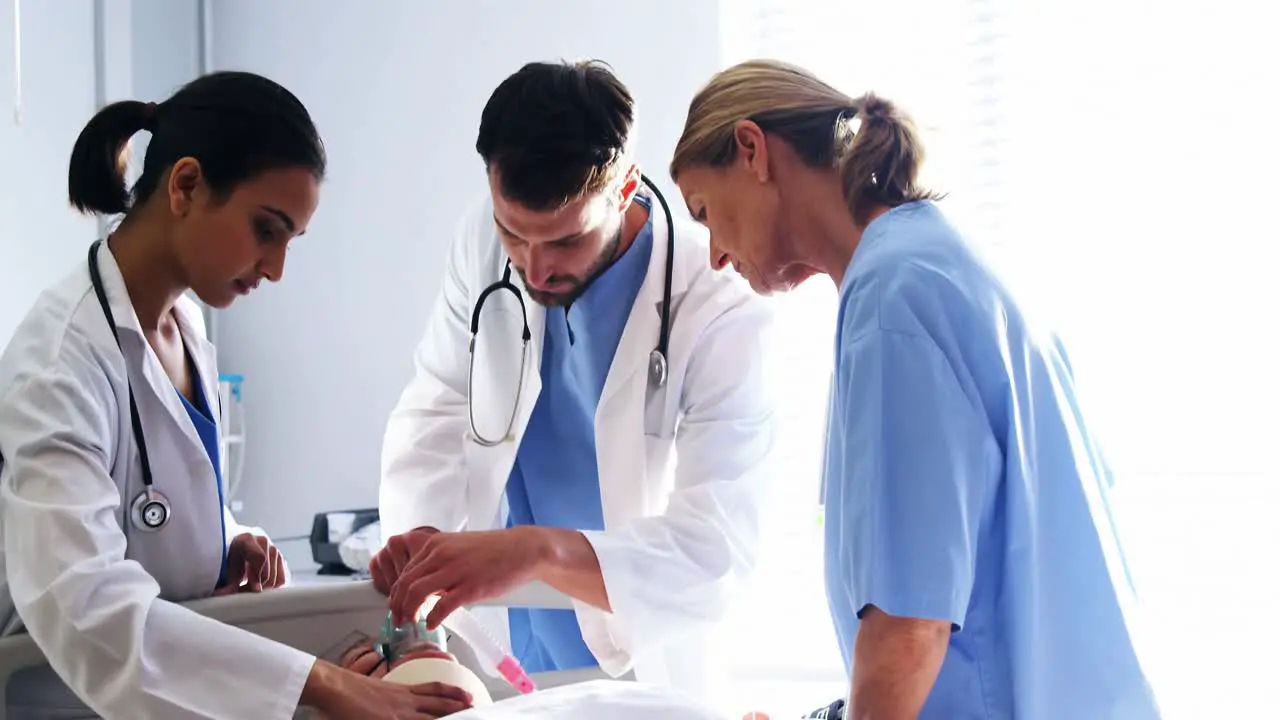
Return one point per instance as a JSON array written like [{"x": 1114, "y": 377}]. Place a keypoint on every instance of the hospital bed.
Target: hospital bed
[{"x": 310, "y": 617}]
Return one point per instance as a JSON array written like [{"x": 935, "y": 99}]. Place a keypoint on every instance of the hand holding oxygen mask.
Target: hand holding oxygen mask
[
  {"x": 456, "y": 568},
  {"x": 397, "y": 642},
  {"x": 410, "y": 655},
  {"x": 396, "y": 555}
]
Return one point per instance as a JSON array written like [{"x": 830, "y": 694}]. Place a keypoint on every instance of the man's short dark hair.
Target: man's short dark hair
[{"x": 555, "y": 132}]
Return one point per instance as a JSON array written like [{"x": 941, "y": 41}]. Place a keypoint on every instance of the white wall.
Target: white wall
[
  {"x": 396, "y": 88},
  {"x": 76, "y": 55},
  {"x": 165, "y": 45},
  {"x": 40, "y": 237}
]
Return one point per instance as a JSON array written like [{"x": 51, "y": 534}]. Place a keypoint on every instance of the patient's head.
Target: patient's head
[
  {"x": 363, "y": 657},
  {"x": 416, "y": 663}
]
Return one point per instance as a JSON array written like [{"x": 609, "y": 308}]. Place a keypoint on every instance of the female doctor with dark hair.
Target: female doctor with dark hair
[{"x": 110, "y": 502}]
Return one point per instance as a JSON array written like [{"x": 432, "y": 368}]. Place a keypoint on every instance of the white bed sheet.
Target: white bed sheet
[{"x": 597, "y": 700}]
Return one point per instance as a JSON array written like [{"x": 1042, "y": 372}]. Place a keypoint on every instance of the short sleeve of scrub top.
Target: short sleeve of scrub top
[{"x": 916, "y": 445}]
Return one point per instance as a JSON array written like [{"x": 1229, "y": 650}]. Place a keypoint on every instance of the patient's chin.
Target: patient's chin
[{"x": 418, "y": 670}]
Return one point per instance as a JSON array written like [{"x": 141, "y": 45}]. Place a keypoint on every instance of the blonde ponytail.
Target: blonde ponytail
[{"x": 874, "y": 144}]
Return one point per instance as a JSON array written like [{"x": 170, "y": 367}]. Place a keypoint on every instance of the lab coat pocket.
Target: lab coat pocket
[
  {"x": 659, "y": 443},
  {"x": 658, "y": 423},
  {"x": 659, "y": 454},
  {"x": 485, "y": 471}
]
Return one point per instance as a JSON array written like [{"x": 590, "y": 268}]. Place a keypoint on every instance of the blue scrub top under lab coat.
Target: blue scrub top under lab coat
[
  {"x": 962, "y": 484},
  {"x": 555, "y": 481},
  {"x": 206, "y": 427}
]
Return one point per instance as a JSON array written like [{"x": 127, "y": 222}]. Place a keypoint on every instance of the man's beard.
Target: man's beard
[{"x": 609, "y": 254}]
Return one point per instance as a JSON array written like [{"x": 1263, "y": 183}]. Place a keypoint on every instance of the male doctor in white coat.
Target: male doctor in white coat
[{"x": 639, "y": 499}]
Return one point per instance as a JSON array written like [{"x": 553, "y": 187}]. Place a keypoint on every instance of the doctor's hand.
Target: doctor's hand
[
  {"x": 392, "y": 559},
  {"x": 465, "y": 567},
  {"x": 341, "y": 694},
  {"x": 254, "y": 564}
]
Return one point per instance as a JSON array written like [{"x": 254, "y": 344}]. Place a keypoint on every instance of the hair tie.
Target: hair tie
[
  {"x": 851, "y": 118},
  {"x": 149, "y": 117}
]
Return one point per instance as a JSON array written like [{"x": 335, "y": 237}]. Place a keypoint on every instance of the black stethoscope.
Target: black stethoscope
[
  {"x": 657, "y": 357},
  {"x": 150, "y": 509}
]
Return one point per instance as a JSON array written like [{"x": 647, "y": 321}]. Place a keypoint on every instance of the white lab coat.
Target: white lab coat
[
  {"x": 96, "y": 594},
  {"x": 682, "y": 469}
]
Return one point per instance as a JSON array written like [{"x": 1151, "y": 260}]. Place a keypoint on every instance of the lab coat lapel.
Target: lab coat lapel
[
  {"x": 537, "y": 330},
  {"x": 619, "y": 427},
  {"x": 640, "y": 336},
  {"x": 532, "y": 387},
  {"x": 135, "y": 343},
  {"x": 185, "y": 557},
  {"x": 206, "y": 361},
  {"x": 491, "y": 466}
]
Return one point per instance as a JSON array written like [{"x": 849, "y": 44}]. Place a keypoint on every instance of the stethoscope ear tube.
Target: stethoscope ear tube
[
  {"x": 503, "y": 284},
  {"x": 525, "y": 335},
  {"x": 515, "y": 408},
  {"x": 664, "y": 332}
]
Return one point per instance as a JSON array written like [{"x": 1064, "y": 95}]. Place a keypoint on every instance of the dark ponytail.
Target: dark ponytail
[
  {"x": 235, "y": 124},
  {"x": 95, "y": 181},
  {"x": 881, "y": 158}
]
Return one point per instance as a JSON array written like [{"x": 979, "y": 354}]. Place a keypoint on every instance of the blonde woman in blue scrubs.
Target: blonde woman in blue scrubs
[{"x": 973, "y": 569}]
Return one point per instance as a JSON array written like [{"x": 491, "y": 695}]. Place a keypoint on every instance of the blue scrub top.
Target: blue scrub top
[
  {"x": 962, "y": 484},
  {"x": 207, "y": 428},
  {"x": 555, "y": 481}
]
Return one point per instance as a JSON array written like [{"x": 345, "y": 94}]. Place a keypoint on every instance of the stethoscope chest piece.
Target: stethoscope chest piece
[
  {"x": 657, "y": 368},
  {"x": 150, "y": 510}
]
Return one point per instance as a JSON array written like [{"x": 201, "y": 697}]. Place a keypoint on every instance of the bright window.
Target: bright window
[
  {"x": 1116, "y": 160},
  {"x": 782, "y": 645}
]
